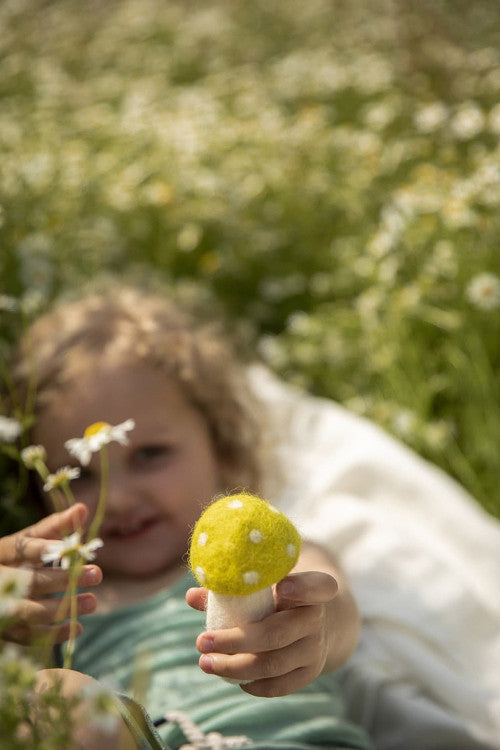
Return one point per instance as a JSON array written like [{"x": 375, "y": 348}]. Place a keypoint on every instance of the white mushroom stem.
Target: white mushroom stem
[{"x": 225, "y": 611}]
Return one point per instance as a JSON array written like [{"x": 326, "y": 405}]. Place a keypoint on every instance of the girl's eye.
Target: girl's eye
[{"x": 150, "y": 452}]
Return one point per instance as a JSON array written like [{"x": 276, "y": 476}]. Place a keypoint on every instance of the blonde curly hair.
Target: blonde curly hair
[{"x": 130, "y": 325}]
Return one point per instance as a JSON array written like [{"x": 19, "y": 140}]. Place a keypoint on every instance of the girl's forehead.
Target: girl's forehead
[{"x": 113, "y": 394}]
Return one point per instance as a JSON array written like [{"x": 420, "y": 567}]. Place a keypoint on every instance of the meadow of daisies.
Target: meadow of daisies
[{"x": 327, "y": 171}]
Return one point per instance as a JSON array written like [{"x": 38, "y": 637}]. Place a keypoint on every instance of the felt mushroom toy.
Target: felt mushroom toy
[{"x": 240, "y": 546}]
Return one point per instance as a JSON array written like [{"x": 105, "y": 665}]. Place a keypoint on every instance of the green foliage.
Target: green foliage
[
  {"x": 328, "y": 170},
  {"x": 39, "y": 719}
]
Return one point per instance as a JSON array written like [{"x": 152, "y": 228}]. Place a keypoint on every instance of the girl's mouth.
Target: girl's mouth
[{"x": 130, "y": 529}]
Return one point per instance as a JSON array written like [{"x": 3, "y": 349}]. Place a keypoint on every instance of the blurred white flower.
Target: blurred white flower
[
  {"x": 379, "y": 116},
  {"x": 38, "y": 170},
  {"x": 483, "y": 291},
  {"x": 369, "y": 303},
  {"x": 189, "y": 237},
  {"x": 300, "y": 323},
  {"x": 14, "y": 585},
  {"x": 430, "y": 117},
  {"x": 69, "y": 548},
  {"x": 468, "y": 122},
  {"x": 380, "y": 244},
  {"x": 8, "y": 303},
  {"x": 405, "y": 423},
  {"x": 442, "y": 262},
  {"x": 97, "y": 435},
  {"x": 10, "y": 429},
  {"x": 61, "y": 477},
  {"x": 32, "y": 454}
]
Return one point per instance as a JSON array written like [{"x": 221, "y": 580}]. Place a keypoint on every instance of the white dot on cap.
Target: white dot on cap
[
  {"x": 202, "y": 539},
  {"x": 200, "y": 574},
  {"x": 251, "y": 577},
  {"x": 255, "y": 536},
  {"x": 291, "y": 550},
  {"x": 235, "y": 504}
]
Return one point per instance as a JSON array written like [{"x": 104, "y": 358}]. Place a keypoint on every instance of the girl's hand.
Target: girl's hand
[
  {"x": 36, "y": 614},
  {"x": 283, "y": 652}
]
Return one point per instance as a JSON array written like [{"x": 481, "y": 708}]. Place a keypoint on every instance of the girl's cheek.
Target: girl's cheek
[{"x": 86, "y": 495}]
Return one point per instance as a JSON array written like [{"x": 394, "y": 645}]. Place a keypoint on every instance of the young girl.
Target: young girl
[{"x": 198, "y": 433}]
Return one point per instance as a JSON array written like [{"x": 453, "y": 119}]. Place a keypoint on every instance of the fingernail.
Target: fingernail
[
  {"x": 206, "y": 645},
  {"x": 87, "y": 605},
  {"x": 286, "y": 588},
  {"x": 207, "y": 664},
  {"x": 90, "y": 576}
]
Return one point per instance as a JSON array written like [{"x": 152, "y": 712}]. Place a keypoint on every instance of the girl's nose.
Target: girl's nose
[{"x": 121, "y": 495}]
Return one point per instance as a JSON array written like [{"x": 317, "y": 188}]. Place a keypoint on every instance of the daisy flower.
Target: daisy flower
[
  {"x": 70, "y": 547},
  {"x": 32, "y": 454},
  {"x": 61, "y": 477},
  {"x": 10, "y": 429},
  {"x": 484, "y": 291},
  {"x": 97, "y": 435}
]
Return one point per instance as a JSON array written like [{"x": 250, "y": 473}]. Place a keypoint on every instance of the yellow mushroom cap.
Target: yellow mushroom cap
[{"x": 241, "y": 544}]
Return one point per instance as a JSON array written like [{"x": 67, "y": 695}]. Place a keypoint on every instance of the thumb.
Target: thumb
[
  {"x": 197, "y": 598},
  {"x": 311, "y": 587},
  {"x": 27, "y": 545},
  {"x": 58, "y": 524}
]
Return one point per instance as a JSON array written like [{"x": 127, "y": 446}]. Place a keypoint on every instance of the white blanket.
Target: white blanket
[{"x": 423, "y": 561}]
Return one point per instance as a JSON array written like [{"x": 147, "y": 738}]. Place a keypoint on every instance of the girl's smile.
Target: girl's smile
[{"x": 128, "y": 528}]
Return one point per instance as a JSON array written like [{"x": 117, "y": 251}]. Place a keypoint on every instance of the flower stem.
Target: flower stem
[
  {"x": 101, "y": 505},
  {"x": 73, "y": 578}
]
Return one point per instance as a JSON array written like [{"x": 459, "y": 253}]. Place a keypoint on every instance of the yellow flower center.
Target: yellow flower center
[{"x": 94, "y": 429}]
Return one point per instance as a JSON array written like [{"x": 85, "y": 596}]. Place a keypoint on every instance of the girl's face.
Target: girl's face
[{"x": 158, "y": 484}]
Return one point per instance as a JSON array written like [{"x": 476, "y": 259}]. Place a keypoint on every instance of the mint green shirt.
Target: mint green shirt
[{"x": 147, "y": 651}]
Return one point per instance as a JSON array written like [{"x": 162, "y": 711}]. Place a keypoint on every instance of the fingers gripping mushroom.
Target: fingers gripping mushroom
[{"x": 241, "y": 545}]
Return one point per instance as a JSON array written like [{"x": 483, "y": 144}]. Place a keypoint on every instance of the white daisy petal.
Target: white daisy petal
[
  {"x": 96, "y": 436},
  {"x": 60, "y": 477}
]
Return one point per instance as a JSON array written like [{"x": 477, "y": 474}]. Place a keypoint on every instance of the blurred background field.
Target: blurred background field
[{"x": 327, "y": 171}]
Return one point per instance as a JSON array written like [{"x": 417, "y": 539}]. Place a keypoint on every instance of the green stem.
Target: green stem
[
  {"x": 72, "y": 591},
  {"x": 101, "y": 505}
]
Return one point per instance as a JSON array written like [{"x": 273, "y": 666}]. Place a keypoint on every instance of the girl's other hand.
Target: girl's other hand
[
  {"x": 283, "y": 652},
  {"x": 39, "y": 613}
]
